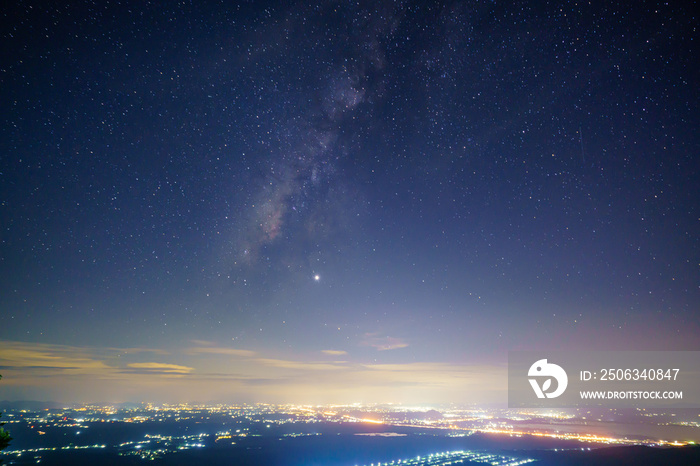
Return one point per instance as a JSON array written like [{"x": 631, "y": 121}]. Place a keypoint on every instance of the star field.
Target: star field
[{"x": 376, "y": 182}]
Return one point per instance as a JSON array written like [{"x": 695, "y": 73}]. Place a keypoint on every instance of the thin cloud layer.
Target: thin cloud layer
[
  {"x": 334, "y": 352},
  {"x": 157, "y": 367},
  {"x": 222, "y": 351},
  {"x": 226, "y": 374},
  {"x": 382, "y": 343}
]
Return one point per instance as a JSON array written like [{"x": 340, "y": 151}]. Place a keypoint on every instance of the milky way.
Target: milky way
[{"x": 310, "y": 143}]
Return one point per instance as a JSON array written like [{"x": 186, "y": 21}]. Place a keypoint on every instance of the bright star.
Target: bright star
[{"x": 317, "y": 277}]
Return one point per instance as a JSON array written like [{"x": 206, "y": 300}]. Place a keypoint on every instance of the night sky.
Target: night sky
[{"x": 340, "y": 202}]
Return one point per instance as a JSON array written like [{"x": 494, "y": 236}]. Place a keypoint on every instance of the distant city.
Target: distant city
[{"x": 346, "y": 434}]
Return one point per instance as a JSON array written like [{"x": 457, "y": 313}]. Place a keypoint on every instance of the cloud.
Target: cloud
[
  {"x": 301, "y": 365},
  {"x": 157, "y": 367},
  {"x": 36, "y": 358},
  {"x": 222, "y": 351},
  {"x": 25, "y": 362},
  {"x": 84, "y": 374},
  {"x": 334, "y": 352},
  {"x": 382, "y": 343},
  {"x": 140, "y": 350}
]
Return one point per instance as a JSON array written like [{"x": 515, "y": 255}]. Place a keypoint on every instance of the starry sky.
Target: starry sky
[{"x": 340, "y": 201}]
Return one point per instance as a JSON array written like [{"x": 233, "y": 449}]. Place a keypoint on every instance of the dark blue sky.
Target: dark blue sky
[{"x": 464, "y": 178}]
